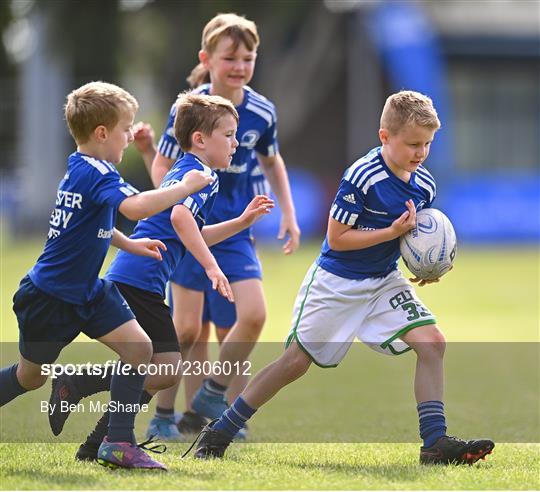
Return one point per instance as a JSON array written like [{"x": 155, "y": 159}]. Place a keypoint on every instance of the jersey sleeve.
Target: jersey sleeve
[
  {"x": 348, "y": 204},
  {"x": 267, "y": 144},
  {"x": 197, "y": 200},
  {"x": 168, "y": 146},
  {"x": 425, "y": 180},
  {"x": 110, "y": 189}
]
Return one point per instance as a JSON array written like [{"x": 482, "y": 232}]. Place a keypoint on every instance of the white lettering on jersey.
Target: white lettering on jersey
[
  {"x": 60, "y": 217},
  {"x": 203, "y": 196},
  {"x": 350, "y": 198},
  {"x": 53, "y": 233},
  {"x": 104, "y": 234},
  {"x": 69, "y": 199},
  {"x": 235, "y": 169}
]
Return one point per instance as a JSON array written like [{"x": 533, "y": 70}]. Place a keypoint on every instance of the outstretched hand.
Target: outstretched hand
[
  {"x": 147, "y": 247},
  {"x": 259, "y": 206},
  {"x": 289, "y": 226},
  {"x": 220, "y": 282},
  {"x": 143, "y": 137}
]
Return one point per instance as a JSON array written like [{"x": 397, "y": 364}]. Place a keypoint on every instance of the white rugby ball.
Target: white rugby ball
[{"x": 429, "y": 249}]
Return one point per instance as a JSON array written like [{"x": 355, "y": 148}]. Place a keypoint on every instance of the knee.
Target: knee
[
  {"x": 166, "y": 381},
  {"x": 140, "y": 353},
  {"x": 253, "y": 323},
  {"x": 31, "y": 381},
  {"x": 296, "y": 362},
  {"x": 188, "y": 337},
  {"x": 434, "y": 344}
]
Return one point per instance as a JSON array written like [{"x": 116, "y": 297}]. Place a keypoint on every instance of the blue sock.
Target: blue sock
[
  {"x": 125, "y": 389},
  {"x": 432, "y": 421},
  {"x": 234, "y": 418},
  {"x": 10, "y": 387}
]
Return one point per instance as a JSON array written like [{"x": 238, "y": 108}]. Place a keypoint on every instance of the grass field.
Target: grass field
[{"x": 353, "y": 427}]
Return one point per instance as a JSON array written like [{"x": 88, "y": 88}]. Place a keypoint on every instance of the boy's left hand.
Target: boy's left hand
[
  {"x": 259, "y": 206},
  {"x": 143, "y": 137},
  {"x": 147, "y": 247},
  {"x": 422, "y": 282}
]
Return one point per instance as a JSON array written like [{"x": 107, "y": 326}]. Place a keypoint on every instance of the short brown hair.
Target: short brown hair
[
  {"x": 407, "y": 107},
  {"x": 95, "y": 104},
  {"x": 236, "y": 27},
  {"x": 199, "y": 113}
]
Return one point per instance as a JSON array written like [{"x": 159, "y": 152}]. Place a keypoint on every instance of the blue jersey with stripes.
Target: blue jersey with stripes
[
  {"x": 80, "y": 229},
  {"x": 371, "y": 196},
  {"x": 257, "y": 132},
  {"x": 147, "y": 273}
]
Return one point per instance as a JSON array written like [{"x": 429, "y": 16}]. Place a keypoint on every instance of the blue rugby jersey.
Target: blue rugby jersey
[
  {"x": 259, "y": 184},
  {"x": 257, "y": 131},
  {"x": 371, "y": 196},
  {"x": 147, "y": 273},
  {"x": 81, "y": 229}
]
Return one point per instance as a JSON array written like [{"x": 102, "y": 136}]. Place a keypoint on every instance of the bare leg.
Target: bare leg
[
  {"x": 29, "y": 374},
  {"x": 266, "y": 383},
  {"x": 251, "y": 315},
  {"x": 187, "y": 314},
  {"x": 198, "y": 352},
  {"x": 429, "y": 344},
  {"x": 239, "y": 380}
]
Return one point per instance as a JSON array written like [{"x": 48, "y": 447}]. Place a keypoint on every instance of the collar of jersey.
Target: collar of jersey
[{"x": 391, "y": 175}]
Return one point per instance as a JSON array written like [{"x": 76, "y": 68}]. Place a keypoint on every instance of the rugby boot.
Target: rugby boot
[
  {"x": 127, "y": 455},
  {"x": 210, "y": 443},
  {"x": 191, "y": 423},
  {"x": 63, "y": 394},
  {"x": 451, "y": 450},
  {"x": 88, "y": 451}
]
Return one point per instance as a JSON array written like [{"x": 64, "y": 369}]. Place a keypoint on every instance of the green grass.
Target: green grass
[
  {"x": 488, "y": 309},
  {"x": 274, "y": 467}
]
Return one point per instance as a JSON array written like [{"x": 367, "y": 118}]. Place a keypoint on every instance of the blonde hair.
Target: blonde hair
[
  {"x": 199, "y": 112},
  {"x": 239, "y": 29},
  {"x": 95, "y": 104},
  {"x": 407, "y": 107}
]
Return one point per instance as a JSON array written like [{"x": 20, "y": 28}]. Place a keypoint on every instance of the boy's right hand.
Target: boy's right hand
[
  {"x": 220, "y": 282},
  {"x": 196, "y": 180},
  {"x": 143, "y": 138},
  {"x": 406, "y": 221}
]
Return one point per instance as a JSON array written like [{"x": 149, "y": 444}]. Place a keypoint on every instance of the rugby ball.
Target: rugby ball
[{"x": 429, "y": 249}]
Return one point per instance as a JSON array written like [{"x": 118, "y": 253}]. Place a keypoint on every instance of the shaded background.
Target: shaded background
[{"x": 327, "y": 65}]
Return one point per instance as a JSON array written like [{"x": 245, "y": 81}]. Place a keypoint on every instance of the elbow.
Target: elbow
[
  {"x": 133, "y": 212},
  {"x": 133, "y": 216},
  {"x": 333, "y": 243}
]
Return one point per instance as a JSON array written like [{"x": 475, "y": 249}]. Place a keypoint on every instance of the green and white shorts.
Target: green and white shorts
[{"x": 331, "y": 311}]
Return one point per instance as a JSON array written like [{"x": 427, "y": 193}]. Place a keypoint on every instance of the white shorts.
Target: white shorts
[{"x": 331, "y": 311}]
